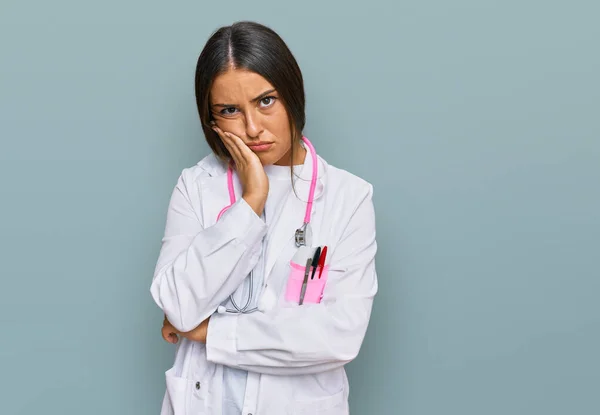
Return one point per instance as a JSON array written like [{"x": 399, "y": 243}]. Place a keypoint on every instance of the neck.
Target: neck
[{"x": 299, "y": 155}]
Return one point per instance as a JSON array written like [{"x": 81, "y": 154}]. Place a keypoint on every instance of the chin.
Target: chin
[{"x": 267, "y": 159}]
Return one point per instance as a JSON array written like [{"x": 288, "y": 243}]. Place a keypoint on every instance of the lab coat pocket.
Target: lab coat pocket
[
  {"x": 185, "y": 395},
  {"x": 314, "y": 286},
  {"x": 178, "y": 389}
]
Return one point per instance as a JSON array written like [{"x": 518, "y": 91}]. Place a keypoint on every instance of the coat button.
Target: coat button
[{"x": 197, "y": 385}]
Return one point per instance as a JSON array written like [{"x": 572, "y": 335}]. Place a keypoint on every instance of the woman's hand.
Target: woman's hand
[
  {"x": 255, "y": 184},
  {"x": 171, "y": 334}
]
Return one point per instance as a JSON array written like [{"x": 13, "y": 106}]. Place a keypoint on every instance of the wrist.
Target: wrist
[{"x": 256, "y": 202}]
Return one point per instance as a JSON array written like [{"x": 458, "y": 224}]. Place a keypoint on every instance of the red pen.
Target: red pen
[{"x": 322, "y": 260}]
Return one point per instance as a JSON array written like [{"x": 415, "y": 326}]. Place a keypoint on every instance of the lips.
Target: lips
[{"x": 260, "y": 146}]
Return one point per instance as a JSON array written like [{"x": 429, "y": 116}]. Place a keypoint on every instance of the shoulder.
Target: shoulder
[
  {"x": 349, "y": 199},
  {"x": 209, "y": 166},
  {"x": 343, "y": 182}
]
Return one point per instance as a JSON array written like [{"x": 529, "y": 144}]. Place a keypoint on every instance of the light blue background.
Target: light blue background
[{"x": 478, "y": 123}]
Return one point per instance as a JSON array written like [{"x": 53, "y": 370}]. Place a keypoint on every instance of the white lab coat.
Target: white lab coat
[{"x": 294, "y": 354}]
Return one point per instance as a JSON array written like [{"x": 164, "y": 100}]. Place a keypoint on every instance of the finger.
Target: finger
[
  {"x": 246, "y": 154},
  {"x": 165, "y": 333},
  {"x": 229, "y": 144},
  {"x": 168, "y": 326},
  {"x": 168, "y": 331},
  {"x": 242, "y": 153},
  {"x": 235, "y": 153},
  {"x": 169, "y": 335},
  {"x": 238, "y": 143}
]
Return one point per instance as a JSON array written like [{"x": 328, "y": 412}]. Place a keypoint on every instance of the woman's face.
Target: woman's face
[{"x": 245, "y": 104}]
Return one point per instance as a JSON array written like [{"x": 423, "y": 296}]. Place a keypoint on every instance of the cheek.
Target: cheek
[
  {"x": 279, "y": 125},
  {"x": 232, "y": 125}
]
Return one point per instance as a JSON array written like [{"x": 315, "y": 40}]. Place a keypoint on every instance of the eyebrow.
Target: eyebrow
[{"x": 258, "y": 98}]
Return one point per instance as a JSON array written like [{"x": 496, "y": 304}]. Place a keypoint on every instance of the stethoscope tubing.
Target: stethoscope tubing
[{"x": 232, "y": 200}]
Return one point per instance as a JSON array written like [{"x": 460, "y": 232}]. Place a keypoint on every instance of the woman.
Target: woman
[{"x": 257, "y": 331}]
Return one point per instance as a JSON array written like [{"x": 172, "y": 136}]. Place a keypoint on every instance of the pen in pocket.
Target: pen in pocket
[
  {"x": 322, "y": 260},
  {"x": 315, "y": 262},
  {"x": 304, "y": 282}
]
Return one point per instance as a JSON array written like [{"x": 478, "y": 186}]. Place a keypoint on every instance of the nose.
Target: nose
[{"x": 253, "y": 125}]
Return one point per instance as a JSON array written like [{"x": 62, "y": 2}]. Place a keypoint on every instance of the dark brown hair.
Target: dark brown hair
[{"x": 257, "y": 48}]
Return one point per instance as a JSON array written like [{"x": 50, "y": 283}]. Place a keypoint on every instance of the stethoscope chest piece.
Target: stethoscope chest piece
[{"x": 304, "y": 235}]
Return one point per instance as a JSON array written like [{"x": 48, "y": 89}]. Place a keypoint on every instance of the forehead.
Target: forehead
[{"x": 237, "y": 85}]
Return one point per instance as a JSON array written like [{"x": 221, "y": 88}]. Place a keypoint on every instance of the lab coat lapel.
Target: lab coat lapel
[{"x": 215, "y": 193}]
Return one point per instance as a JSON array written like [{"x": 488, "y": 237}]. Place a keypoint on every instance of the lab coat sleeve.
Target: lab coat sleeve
[
  {"x": 312, "y": 338},
  {"x": 200, "y": 267}
]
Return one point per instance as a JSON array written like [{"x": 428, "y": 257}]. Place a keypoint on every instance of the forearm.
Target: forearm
[
  {"x": 191, "y": 281},
  {"x": 300, "y": 340}
]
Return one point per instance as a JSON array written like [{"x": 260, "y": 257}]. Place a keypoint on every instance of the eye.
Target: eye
[
  {"x": 228, "y": 111},
  {"x": 270, "y": 100}
]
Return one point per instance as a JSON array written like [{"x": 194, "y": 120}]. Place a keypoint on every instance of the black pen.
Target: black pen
[{"x": 315, "y": 262}]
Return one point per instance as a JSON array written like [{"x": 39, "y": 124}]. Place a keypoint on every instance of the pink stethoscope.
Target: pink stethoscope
[{"x": 302, "y": 235}]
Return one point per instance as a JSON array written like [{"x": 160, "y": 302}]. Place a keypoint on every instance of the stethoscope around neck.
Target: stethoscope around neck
[{"x": 302, "y": 235}]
